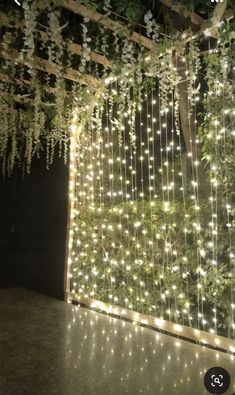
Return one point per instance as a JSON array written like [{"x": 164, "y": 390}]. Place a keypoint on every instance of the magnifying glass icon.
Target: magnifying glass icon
[{"x": 216, "y": 380}]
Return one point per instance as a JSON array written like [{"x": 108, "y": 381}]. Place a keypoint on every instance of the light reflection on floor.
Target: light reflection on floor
[{"x": 54, "y": 348}]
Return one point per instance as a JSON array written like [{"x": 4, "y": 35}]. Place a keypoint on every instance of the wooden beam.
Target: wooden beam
[
  {"x": 95, "y": 57},
  {"x": 24, "y": 100},
  {"x": 219, "y": 12},
  {"x": 22, "y": 82},
  {"x": 76, "y": 130},
  {"x": 79, "y": 9},
  {"x": 107, "y": 22},
  {"x": 76, "y": 49},
  {"x": 142, "y": 40},
  {"x": 189, "y": 130},
  {"x": 216, "y": 18},
  {"x": 138, "y": 38},
  {"x": 177, "y": 7},
  {"x": 51, "y": 68}
]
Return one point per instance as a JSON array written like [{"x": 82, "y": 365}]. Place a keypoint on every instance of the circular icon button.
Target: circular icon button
[{"x": 217, "y": 380}]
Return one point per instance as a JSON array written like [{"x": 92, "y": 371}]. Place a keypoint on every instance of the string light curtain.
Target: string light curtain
[{"x": 152, "y": 226}]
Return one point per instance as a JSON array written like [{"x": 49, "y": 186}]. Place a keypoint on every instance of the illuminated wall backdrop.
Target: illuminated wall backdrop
[{"x": 152, "y": 225}]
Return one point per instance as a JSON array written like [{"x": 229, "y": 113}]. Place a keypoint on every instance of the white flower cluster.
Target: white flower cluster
[
  {"x": 152, "y": 27},
  {"x": 86, "y": 50}
]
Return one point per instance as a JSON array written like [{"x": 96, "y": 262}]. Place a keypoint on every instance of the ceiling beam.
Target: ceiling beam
[
  {"x": 218, "y": 14},
  {"x": 107, "y": 22},
  {"x": 26, "y": 83},
  {"x": 179, "y": 9},
  {"x": 76, "y": 49},
  {"x": 23, "y": 99},
  {"x": 51, "y": 68}
]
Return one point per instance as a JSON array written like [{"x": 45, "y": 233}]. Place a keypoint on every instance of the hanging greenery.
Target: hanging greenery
[{"x": 46, "y": 35}]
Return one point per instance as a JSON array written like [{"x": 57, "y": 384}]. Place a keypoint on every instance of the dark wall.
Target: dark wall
[{"x": 33, "y": 220}]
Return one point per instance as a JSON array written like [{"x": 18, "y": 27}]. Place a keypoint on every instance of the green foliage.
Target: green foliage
[
  {"x": 143, "y": 260},
  {"x": 217, "y": 129},
  {"x": 130, "y": 9}
]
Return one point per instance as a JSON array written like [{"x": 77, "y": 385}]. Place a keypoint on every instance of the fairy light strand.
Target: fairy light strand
[{"x": 124, "y": 168}]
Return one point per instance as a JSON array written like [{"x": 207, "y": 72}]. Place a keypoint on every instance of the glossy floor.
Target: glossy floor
[{"x": 50, "y": 347}]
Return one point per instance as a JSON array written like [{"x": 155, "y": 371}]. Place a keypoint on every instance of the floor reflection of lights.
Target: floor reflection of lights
[
  {"x": 54, "y": 348},
  {"x": 139, "y": 359}
]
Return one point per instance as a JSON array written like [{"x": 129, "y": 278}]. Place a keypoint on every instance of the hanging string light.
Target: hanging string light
[{"x": 142, "y": 235}]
